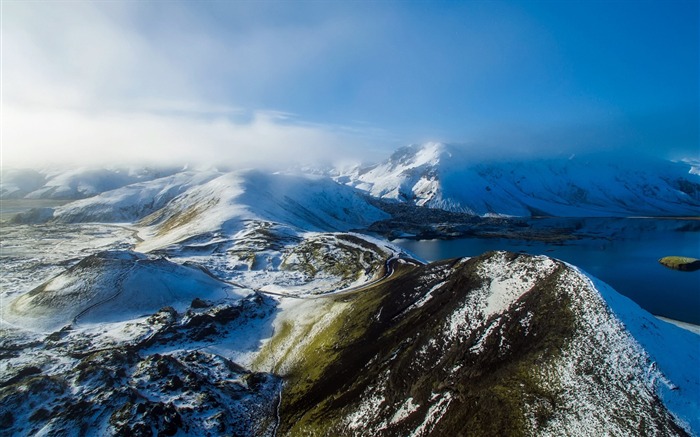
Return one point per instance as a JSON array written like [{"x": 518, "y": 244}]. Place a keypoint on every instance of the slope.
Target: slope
[
  {"x": 501, "y": 344},
  {"x": 112, "y": 286},
  {"x": 226, "y": 203}
]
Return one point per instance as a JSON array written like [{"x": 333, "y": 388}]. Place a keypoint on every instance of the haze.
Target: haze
[{"x": 251, "y": 82}]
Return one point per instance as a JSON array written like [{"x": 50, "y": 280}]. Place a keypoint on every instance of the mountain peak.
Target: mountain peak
[
  {"x": 441, "y": 176},
  {"x": 416, "y": 155}
]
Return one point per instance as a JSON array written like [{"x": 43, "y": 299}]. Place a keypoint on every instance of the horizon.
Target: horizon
[{"x": 244, "y": 83}]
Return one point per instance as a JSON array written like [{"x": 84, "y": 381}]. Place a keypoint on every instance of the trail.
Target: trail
[
  {"x": 389, "y": 268},
  {"x": 277, "y": 410},
  {"x": 134, "y": 232}
]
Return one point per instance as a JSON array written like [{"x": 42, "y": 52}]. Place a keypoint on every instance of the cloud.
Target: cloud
[
  {"x": 91, "y": 83},
  {"x": 69, "y": 137}
]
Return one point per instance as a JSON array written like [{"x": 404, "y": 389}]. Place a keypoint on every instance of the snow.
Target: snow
[
  {"x": 216, "y": 219},
  {"x": 630, "y": 352},
  {"x": 73, "y": 183},
  {"x": 131, "y": 202},
  {"x": 478, "y": 347},
  {"x": 435, "y": 413},
  {"x": 369, "y": 406},
  {"x": 310, "y": 203},
  {"x": 404, "y": 411},
  {"x": 429, "y": 295},
  {"x": 304, "y": 318},
  {"x": 507, "y": 286},
  {"x": 675, "y": 352},
  {"x": 687, "y": 326}
]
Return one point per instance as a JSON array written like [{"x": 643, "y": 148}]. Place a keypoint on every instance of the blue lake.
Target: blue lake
[{"x": 622, "y": 252}]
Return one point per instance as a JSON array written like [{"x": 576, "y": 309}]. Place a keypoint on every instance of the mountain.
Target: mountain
[
  {"x": 71, "y": 184},
  {"x": 433, "y": 175},
  {"x": 124, "y": 343},
  {"x": 309, "y": 203},
  {"x": 188, "y": 204},
  {"x": 501, "y": 344},
  {"x": 133, "y": 201},
  {"x": 441, "y": 176},
  {"x": 143, "y": 376}
]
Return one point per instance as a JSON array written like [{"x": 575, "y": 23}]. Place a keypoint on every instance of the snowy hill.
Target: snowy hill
[
  {"x": 441, "y": 176},
  {"x": 501, "y": 344},
  {"x": 188, "y": 204},
  {"x": 143, "y": 376},
  {"x": 69, "y": 184},
  {"x": 113, "y": 286},
  {"x": 133, "y": 201}
]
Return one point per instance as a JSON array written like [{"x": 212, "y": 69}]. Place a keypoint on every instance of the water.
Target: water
[{"x": 622, "y": 252}]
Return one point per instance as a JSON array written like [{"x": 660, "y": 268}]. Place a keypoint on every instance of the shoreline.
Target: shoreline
[{"x": 683, "y": 325}]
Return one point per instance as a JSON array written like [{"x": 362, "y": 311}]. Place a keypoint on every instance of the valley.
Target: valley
[{"x": 250, "y": 302}]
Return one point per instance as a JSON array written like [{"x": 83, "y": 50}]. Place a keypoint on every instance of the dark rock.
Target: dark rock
[
  {"x": 27, "y": 371},
  {"x": 198, "y": 303},
  {"x": 6, "y": 419}
]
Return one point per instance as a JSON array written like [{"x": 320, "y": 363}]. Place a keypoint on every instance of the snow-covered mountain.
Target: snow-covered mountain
[
  {"x": 142, "y": 343},
  {"x": 188, "y": 204},
  {"x": 434, "y": 175},
  {"x": 441, "y": 176},
  {"x": 309, "y": 203},
  {"x": 501, "y": 344},
  {"x": 70, "y": 184},
  {"x": 133, "y": 201}
]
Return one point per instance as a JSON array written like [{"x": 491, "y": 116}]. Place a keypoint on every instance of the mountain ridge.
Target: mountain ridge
[
  {"x": 441, "y": 176},
  {"x": 433, "y": 175},
  {"x": 499, "y": 344}
]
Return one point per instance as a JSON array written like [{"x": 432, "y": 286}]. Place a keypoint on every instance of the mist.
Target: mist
[{"x": 72, "y": 138}]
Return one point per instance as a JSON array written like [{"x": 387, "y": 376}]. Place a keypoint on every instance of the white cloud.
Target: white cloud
[
  {"x": 92, "y": 83},
  {"x": 33, "y": 136}
]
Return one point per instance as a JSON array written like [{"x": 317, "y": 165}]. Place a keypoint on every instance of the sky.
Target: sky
[{"x": 247, "y": 82}]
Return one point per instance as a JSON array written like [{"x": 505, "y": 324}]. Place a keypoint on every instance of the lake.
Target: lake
[{"x": 622, "y": 252}]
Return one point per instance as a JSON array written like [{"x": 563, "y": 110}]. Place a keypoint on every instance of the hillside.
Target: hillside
[
  {"x": 193, "y": 203},
  {"x": 309, "y": 203},
  {"x": 112, "y": 286},
  {"x": 502, "y": 344}
]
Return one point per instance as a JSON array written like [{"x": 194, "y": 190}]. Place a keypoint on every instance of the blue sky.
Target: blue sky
[{"x": 253, "y": 81}]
